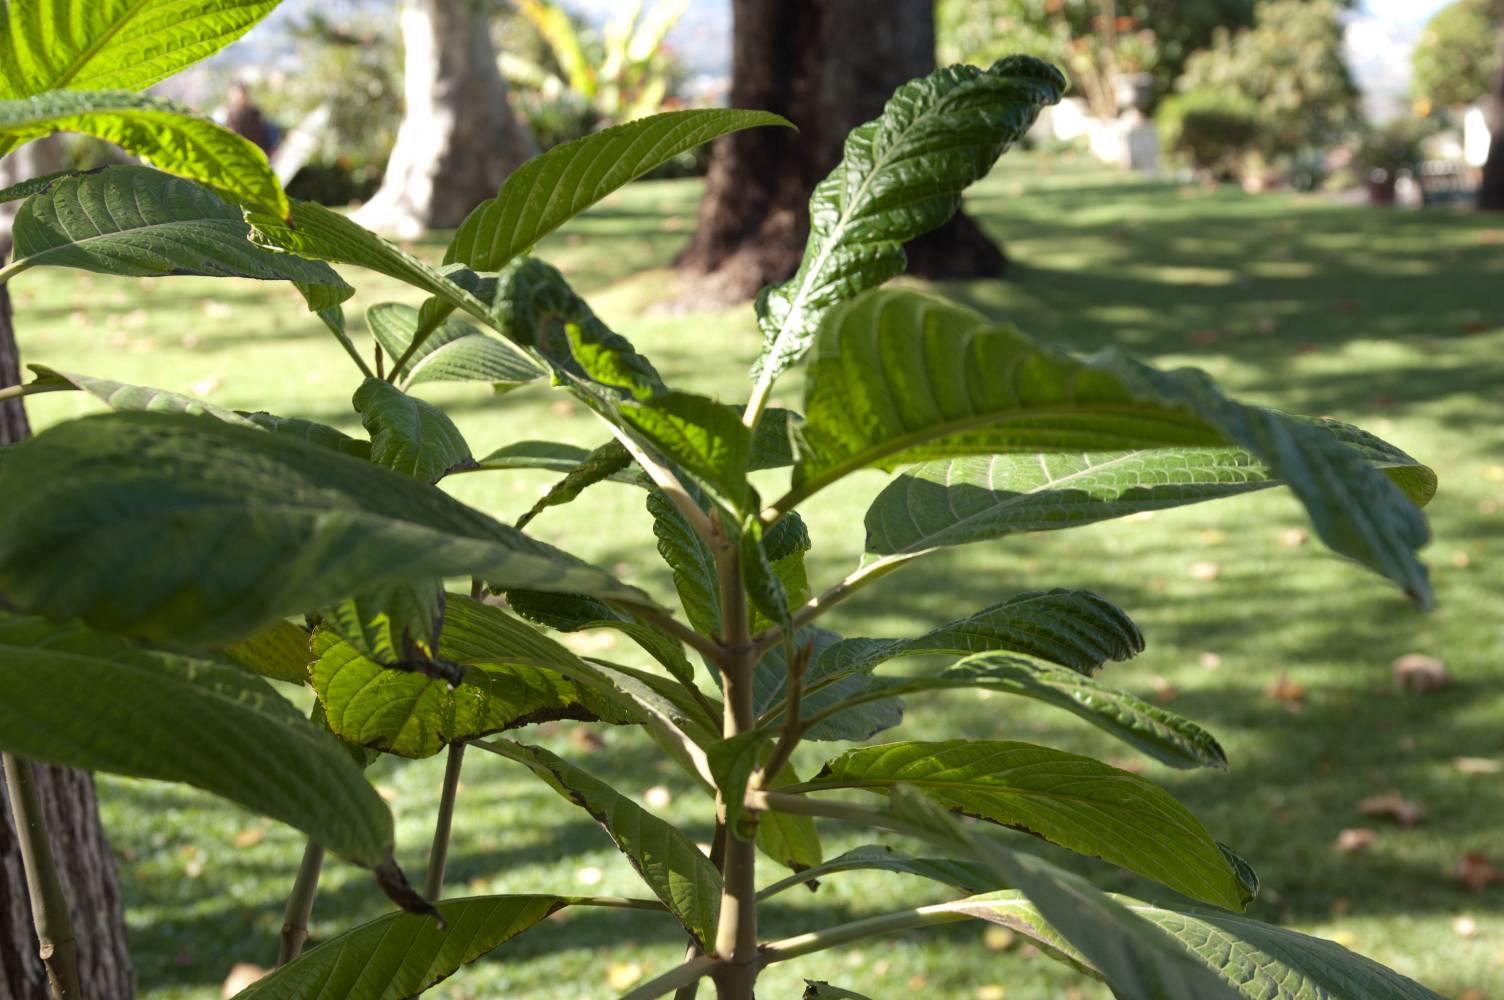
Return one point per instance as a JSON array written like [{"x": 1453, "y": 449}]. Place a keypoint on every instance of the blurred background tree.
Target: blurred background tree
[{"x": 1455, "y": 58}]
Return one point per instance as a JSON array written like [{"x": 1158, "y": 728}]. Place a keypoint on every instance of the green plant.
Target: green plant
[
  {"x": 584, "y": 81},
  {"x": 1456, "y": 56},
  {"x": 1291, "y": 65},
  {"x": 1398, "y": 145},
  {"x": 159, "y": 562},
  {"x": 1212, "y": 129}
]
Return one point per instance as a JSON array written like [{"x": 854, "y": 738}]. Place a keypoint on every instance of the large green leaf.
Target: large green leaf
[
  {"x": 409, "y": 435},
  {"x": 975, "y": 499},
  {"x": 1259, "y": 961},
  {"x": 1137, "y": 959},
  {"x": 416, "y": 713},
  {"x": 1075, "y": 628},
  {"x": 668, "y": 861},
  {"x": 455, "y": 352},
  {"x": 790, "y": 840},
  {"x": 400, "y": 955},
  {"x": 695, "y": 575},
  {"x": 1070, "y": 800},
  {"x": 576, "y": 613},
  {"x": 549, "y": 190},
  {"x": 279, "y": 651},
  {"x": 311, "y": 432},
  {"x": 902, "y": 175},
  {"x": 140, "y": 222},
  {"x": 700, "y": 436},
  {"x": 902, "y": 377},
  {"x": 185, "y": 528},
  {"x": 113, "y": 44},
  {"x": 1163, "y": 735},
  {"x": 167, "y": 135},
  {"x": 392, "y": 623},
  {"x": 865, "y": 718},
  {"x": 75, "y": 697},
  {"x": 123, "y": 396},
  {"x": 320, "y": 233},
  {"x": 967, "y": 876}
]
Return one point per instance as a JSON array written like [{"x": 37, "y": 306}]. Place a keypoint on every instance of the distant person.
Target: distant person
[{"x": 243, "y": 116}]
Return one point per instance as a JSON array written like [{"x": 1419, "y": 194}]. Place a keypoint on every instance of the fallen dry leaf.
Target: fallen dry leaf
[
  {"x": 1294, "y": 538},
  {"x": 1285, "y": 690},
  {"x": 1394, "y": 807},
  {"x": 1474, "y": 871},
  {"x": 1420, "y": 673},
  {"x": 1205, "y": 571},
  {"x": 242, "y": 974},
  {"x": 621, "y": 975},
  {"x": 1355, "y": 840},
  {"x": 1478, "y": 765},
  {"x": 1465, "y": 927},
  {"x": 249, "y": 837},
  {"x": 1211, "y": 661}
]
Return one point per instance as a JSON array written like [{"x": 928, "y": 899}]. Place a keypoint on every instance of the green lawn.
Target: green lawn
[{"x": 1388, "y": 319}]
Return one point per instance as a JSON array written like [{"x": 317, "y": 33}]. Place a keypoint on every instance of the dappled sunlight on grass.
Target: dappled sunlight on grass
[{"x": 1388, "y": 319}]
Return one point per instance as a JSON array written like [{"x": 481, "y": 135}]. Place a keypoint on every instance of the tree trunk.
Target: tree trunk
[
  {"x": 827, "y": 66},
  {"x": 86, "y": 866},
  {"x": 1491, "y": 190},
  {"x": 459, "y": 136}
]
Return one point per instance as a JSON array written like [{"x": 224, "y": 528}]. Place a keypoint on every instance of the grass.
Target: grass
[{"x": 1391, "y": 320}]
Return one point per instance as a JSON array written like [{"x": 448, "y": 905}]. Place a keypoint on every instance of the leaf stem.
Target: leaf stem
[
  {"x": 759, "y": 401},
  {"x": 300, "y": 903},
  {"x": 736, "y": 932},
  {"x": 817, "y": 606},
  {"x": 438, "y": 854},
  {"x": 31, "y": 389},
  {"x": 665, "y": 480},
  {"x": 49, "y": 908},
  {"x": 14, "y": 268},
  {"x": 704, "y": 645},
  {"x": 794, "y": 727},
  {"x": 856, "y": 930},
  {"x": 690, "y": 972}
]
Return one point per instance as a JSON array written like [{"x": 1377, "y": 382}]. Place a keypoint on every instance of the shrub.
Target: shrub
[
  {"x": 1210, "y": 129},
  {"x": 161, "y": 561}
]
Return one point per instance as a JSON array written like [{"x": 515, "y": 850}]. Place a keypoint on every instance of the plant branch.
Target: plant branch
[
  {"x": 794, "y": 727},
  {"x": 419, "y": 336},
  {"x": 736, "y": 932},
  {"x": 664, "y": 478},
  {"x": 690, "y": 990},
  {"x": 705, "y": 645},
  {"x": 817, "y": 606},
  {"x": 690, "y": 972},
  {"x": 856, "y": 930},
  {"x": 300, "y": 903},
  {"x": 759, "y": 401},
  {"x": 49, "y": 908},
  {"x": 438, "y": 854}
]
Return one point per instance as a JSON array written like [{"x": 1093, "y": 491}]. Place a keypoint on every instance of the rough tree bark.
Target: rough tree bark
[
  {"x": 86, "y": 865},
  {"x": 459, "y": 136},
  {"x": 1491, "y": 190},
  {"x": 827, "y": 66}
]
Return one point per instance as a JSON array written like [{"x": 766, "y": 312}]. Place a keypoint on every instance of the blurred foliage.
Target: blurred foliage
[
  {"x": 352, "y": 66},
  {"x": 571, "y": 79},
  {"x": 1398, "y": 145},
  {"x": 1154, "y": 36},
  {"x": 1209, "y": 129},
  {"x": 1290, "y": 65},
  {"x": 1457, "y": 55}
]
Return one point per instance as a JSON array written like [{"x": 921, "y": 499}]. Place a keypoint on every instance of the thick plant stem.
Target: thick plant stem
[
  {"x": 300, "y": 904},
  {"x": 736, "y": 933},
  {"x": 49, "y": 909},
  {"x": 438, "y": 854}
]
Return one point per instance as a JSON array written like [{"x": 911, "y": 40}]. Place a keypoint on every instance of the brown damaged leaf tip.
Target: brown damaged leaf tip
[{"x": 397, "y": 889}]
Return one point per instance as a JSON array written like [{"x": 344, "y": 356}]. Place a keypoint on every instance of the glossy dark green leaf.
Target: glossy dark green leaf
[
  {"x": 409, "y": 435},
  {"x": 183, "y": 528},
  {"x": 1070, "y": 800},
  {"x": 902, "y": 377},
  {"x": 549, "y": 190},
  {"x": 695, "y": 576},
  {"x": 75, "y": 697},
  {"x": 668, "y": 861},
  {"x": 901, "y": 175},
  {"x": 140, "y": 222},
  {"x": 168, "y": 135}
]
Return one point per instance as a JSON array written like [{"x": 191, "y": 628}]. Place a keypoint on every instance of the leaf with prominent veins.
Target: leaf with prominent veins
[
  {"x": 901, "y": 175},
  {"x": 902, "y": 377}
]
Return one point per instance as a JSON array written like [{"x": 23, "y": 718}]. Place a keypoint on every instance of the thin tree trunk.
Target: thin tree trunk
[
  {"x": 827, "y": 66},
  {"x": 459, "y": 136},
  {"x": 86, "y": 865},
  {"x": 1491, "y": 190}
]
